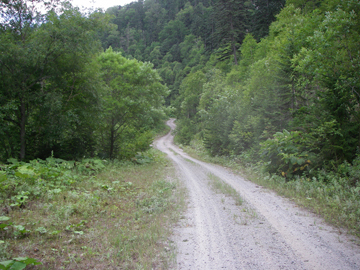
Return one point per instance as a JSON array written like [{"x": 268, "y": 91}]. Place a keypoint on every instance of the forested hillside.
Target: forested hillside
[
  {"x": 272, "y": 85},
  {"x": 179, "y": 37},
  {"x": 266, "y": 80},
  {"x": 292, "y": 100},
  {"x": 276, "y": 81},
  {"x": 262, "y": 79}
]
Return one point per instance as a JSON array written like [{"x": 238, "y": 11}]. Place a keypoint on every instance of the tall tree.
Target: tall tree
[
  {"x": 230, "y": 18},
  {"x": 262, "y": 14},
  {"x": 40, "y": 55}
]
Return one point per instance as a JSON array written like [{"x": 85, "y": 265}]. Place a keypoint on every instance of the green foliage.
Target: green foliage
[
  {"x": 190, "y": 92},
  {"x": 46, "y": 62},
  {"x": 327, "y": 64},
  {"x": 230, "y": 28},
  {"x": 185, "y": 131},
  {"x": 286, "y": 154},
  {"x": 20, "y": 199},
  {"x": 158, "y": 202},
  {"x": 26, "y": 181},
  {"x": 262, "y": 15},
  {"x": 142, "y": 158},
  {"x": 242, "y": 80},
  {"x": 242, "y": 135},
  {"x": 172, "y": 33},
  {"x": 18, "y": 263},
  {"x": 292, "y": 152},
  {"x": 131, "y": 105},
  {"x": 3, "y": 223},
  {"x": 247, "y": 57},
  {"x": 300, "y": 78}
]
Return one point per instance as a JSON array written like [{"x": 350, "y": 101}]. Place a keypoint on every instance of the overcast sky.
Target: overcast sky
[{"x": 100, "y": 3}]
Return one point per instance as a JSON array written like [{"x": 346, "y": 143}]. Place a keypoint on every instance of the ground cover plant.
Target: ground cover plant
[
  {"x": 334, "y": 195},
  {"x": 92, "y": 214}
]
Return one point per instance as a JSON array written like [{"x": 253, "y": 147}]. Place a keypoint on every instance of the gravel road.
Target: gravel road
[{"x": 265, "y": 232}]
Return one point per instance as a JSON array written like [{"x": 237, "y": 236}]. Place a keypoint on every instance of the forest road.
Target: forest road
[{"x": 265, "y": 232}]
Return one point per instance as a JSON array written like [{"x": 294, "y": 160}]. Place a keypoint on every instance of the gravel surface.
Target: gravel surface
[{"x": 265, "y": 232}]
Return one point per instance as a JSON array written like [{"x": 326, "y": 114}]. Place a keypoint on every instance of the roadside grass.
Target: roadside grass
[
  {"x": 329, "y": 195},
  {"x": 336, "y": 201},
  {"x": 119, "y": 217},
  {"x": 246, "y": 214},
  {"x": 162, "y": 131},
  {"x": 218, "y": 185}
]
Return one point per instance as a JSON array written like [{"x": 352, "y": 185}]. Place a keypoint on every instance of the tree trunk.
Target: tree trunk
[
  {"x": 233, "y": 41},
  {"x": 112, "y": 139},
  {"x": 22, "y": 129}
]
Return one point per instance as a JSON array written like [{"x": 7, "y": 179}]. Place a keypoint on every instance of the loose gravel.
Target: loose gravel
[{"x": 265, "y": 232}]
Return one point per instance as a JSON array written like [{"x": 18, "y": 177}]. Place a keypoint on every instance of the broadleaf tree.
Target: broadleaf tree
[
  {"x": 41, "y": 56},
  {"x": 132, "y": 102}
]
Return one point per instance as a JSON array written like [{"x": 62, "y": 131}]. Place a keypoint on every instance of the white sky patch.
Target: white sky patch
[{"x": 104, "y": 4}]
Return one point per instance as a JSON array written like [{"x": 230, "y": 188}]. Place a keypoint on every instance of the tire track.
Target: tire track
[{"x": 217, "y": 234}]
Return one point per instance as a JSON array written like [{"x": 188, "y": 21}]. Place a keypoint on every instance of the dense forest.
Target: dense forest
[
  {"x": 274, "y": 81},
  {"x": 271, "y": 81}
]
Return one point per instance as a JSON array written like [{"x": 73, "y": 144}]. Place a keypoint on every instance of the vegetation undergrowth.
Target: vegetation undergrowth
[
  {"x": 92, "y": 214},
  {"x": 162, "y": 131},
  {"x": 329, "y": 194}
]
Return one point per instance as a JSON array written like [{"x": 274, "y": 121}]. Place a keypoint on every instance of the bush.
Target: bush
[{"x": 286, "y": 154}]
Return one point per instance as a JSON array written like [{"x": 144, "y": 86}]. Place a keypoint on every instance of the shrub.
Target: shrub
[{"x": 287, "y": 154}]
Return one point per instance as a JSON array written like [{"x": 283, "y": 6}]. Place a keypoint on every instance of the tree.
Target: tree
[
  {"x": 330, "y": 62},
  {"x": 154, "y": 20},
  {"x": 41, "y": 55},
  {"x": 262, "y": 14},
  {"x": 172, "y": 34},
  {"x": 230, "y": 18},
  {"x": 132, "y": 100}
]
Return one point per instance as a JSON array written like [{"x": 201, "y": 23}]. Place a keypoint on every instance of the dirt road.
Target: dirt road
[{"x": 265, "y": 232}]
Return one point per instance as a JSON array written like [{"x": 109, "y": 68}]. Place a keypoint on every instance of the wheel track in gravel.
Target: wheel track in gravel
[{"x": 266, "y": 232}]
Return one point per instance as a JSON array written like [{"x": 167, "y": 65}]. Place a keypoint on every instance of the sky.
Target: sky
[{"x": 100, "y": 3}]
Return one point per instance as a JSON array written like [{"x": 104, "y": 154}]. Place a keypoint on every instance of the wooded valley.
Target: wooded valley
[
  {"x": 275, "y": 81},
  {"x": 271, "y": 86}
]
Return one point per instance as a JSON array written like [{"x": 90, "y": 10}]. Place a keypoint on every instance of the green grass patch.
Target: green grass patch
[
  {"x": 218, "y": 185},
  {"x": 90, "y": 215}
]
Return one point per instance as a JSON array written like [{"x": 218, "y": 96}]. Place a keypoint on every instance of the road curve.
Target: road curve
[{"x": 265, "y": 232}]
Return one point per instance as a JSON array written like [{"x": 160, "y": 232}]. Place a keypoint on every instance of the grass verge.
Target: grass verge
[{"x": 116, "y": 218}]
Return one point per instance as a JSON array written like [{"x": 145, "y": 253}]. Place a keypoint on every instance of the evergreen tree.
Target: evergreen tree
[
  {"x": 262, "y": 14},
  {"x": 230, "y": 22}
]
